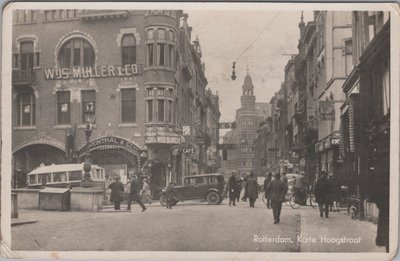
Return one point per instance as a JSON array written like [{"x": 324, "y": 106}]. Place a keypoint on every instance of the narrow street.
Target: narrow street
[{"x": 191, "y": 226}]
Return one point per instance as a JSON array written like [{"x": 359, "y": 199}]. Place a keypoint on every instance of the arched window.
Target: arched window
[
  {"x": 25, "y": 111},
  {"x": 128, "y": 49},
  {"x": 76, "y": 52}
]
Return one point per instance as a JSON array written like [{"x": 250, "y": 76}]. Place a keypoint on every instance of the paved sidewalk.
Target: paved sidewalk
[{"x": 338, "y": 233}]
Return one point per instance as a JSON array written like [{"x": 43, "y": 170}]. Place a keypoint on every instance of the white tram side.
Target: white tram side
[{"x": 64, "y": 175}]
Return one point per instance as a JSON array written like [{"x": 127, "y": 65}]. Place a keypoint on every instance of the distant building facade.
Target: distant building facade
[{"x": 242, "y": 159}]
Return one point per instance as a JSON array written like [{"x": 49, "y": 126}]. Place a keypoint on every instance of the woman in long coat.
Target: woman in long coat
[
  {"x": 252, "y": 189},
  {"x": 116, "y": 188}
]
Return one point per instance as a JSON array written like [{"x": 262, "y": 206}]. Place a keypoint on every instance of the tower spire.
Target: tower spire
[{"x": 302, "y": 25}]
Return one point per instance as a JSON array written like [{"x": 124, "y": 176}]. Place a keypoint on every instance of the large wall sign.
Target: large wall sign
[
  {"x": 102, "y": 71},
  {"x": 108, "y": 143}
]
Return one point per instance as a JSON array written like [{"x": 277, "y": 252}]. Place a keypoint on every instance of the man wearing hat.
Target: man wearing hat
[{"x": 116, "y": 189}]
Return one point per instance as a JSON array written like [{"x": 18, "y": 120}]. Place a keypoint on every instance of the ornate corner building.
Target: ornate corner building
[{"x": 118, "y": 84}]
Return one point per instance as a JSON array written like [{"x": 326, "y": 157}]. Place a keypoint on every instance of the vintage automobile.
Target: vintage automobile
[{"x": 208, "y": 187}]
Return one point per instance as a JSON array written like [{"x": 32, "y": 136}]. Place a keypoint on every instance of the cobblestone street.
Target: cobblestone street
[{"x": 191, "y": 226}]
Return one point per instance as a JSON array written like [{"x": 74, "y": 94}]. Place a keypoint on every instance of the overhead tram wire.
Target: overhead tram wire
[{"x": 233, "y": 77}]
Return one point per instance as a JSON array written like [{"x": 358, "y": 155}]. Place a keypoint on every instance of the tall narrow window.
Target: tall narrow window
[
  {"x": 128, "y": 49},
  {"x": 161, "y": 110},
  {"x": 161, "y": 54},
  {"x": 88, "y": 106},
  {"x": 26, "y": 109},
  {"x": 348, "y": 56},
  {"x": 170, "y": 111},
  {"x": 150, "y": 54},
  {"x": 88, "y": 54},
  {"x": 149, "y": 110},
  {"x": 15, "y": 62},
  {"x": 128, "y": 105},
  {"x": 27, "y": 55},
  {"x": 63, "y": 108},
  {"x": 171, "y": 55}
]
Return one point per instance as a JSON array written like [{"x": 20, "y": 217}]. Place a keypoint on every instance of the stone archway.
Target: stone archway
[
  {"x": 115, "y": 154},
  {"x": 29, "y": 156}
]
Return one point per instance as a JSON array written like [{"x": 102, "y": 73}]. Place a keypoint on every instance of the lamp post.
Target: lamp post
[
  {"x": 169, "y": 173},
  {"x": 87, "y": 181}
]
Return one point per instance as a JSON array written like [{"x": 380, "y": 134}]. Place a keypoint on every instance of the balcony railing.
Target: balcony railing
[{"x": 23, "y": 77}]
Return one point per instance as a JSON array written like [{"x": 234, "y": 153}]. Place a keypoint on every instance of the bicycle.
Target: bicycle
[
  {"x": 286, "y": 202},
  {"x": 295, "y": 202}
]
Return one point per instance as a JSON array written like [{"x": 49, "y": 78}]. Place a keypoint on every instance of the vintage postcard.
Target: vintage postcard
[{"x": 200, "y": 131}]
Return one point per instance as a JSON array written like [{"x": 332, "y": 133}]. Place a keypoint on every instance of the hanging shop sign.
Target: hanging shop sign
[
  {"x": 227, "y": 125},
  {"x": 335, "y": 141},
  {"x": 102, "y": 71},
  {"x": 189, "y": 150}
]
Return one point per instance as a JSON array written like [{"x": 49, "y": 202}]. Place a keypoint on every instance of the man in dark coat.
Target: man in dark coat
[
  {"x": 266, "y": 182},
  {"x": 232, "y": 189},
  {"x": 252, "y": 189},
  {"x": 323, "y": 192},
  {"x": 276, "y": 190},
  {"x": 116, "y": 189},
  {"x": 134, "y": 194}
]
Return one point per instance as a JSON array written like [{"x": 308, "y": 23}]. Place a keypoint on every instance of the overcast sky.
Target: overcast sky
[{"x": 224, "y": 35}]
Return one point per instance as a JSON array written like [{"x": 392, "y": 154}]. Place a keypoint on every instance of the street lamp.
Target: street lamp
[
  {"x": 87, "y": 181},
  {"x": 169, "y": 173}
]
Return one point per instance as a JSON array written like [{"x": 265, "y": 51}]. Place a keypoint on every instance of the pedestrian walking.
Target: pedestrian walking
[
  {"x": 239, "y": 182},
  {"x": 266, "y": 182},
  {"x": 379, "y": 193},
  {"x": 252, "y": 189},
  {"x": 116, "y": 190},
  {"x": 284, "y": 178},
  {"x": 336, "y": 192},
  {"x": 323, "y": 192},
  {"x": 276, "y": 190},
  {"x": 233, "y": 189},
  {"x": 244, "y": 185},
  {"x": 170, "y": 195},
  {"x": 145, "y": 192},
  {"x": 134, "y": 194}
]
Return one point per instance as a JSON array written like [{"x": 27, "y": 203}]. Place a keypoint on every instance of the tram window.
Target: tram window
[
  {"x": 98, "y": 176},
  {"x": 33, "y": 179},
  {"x": 60, "y": 176},
  {"x": 44, "y": 178},
  {"x": 75, "y": 175}
]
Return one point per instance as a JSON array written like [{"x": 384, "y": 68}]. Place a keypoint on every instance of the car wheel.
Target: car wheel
[
  {"x": 163, "y": 201},
  {"x": 213, "y": 198}
]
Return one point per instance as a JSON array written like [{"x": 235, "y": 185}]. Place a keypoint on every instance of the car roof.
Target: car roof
[
  {"x": 59, "y": 168},
  {"x": 205, "y": 175}
]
